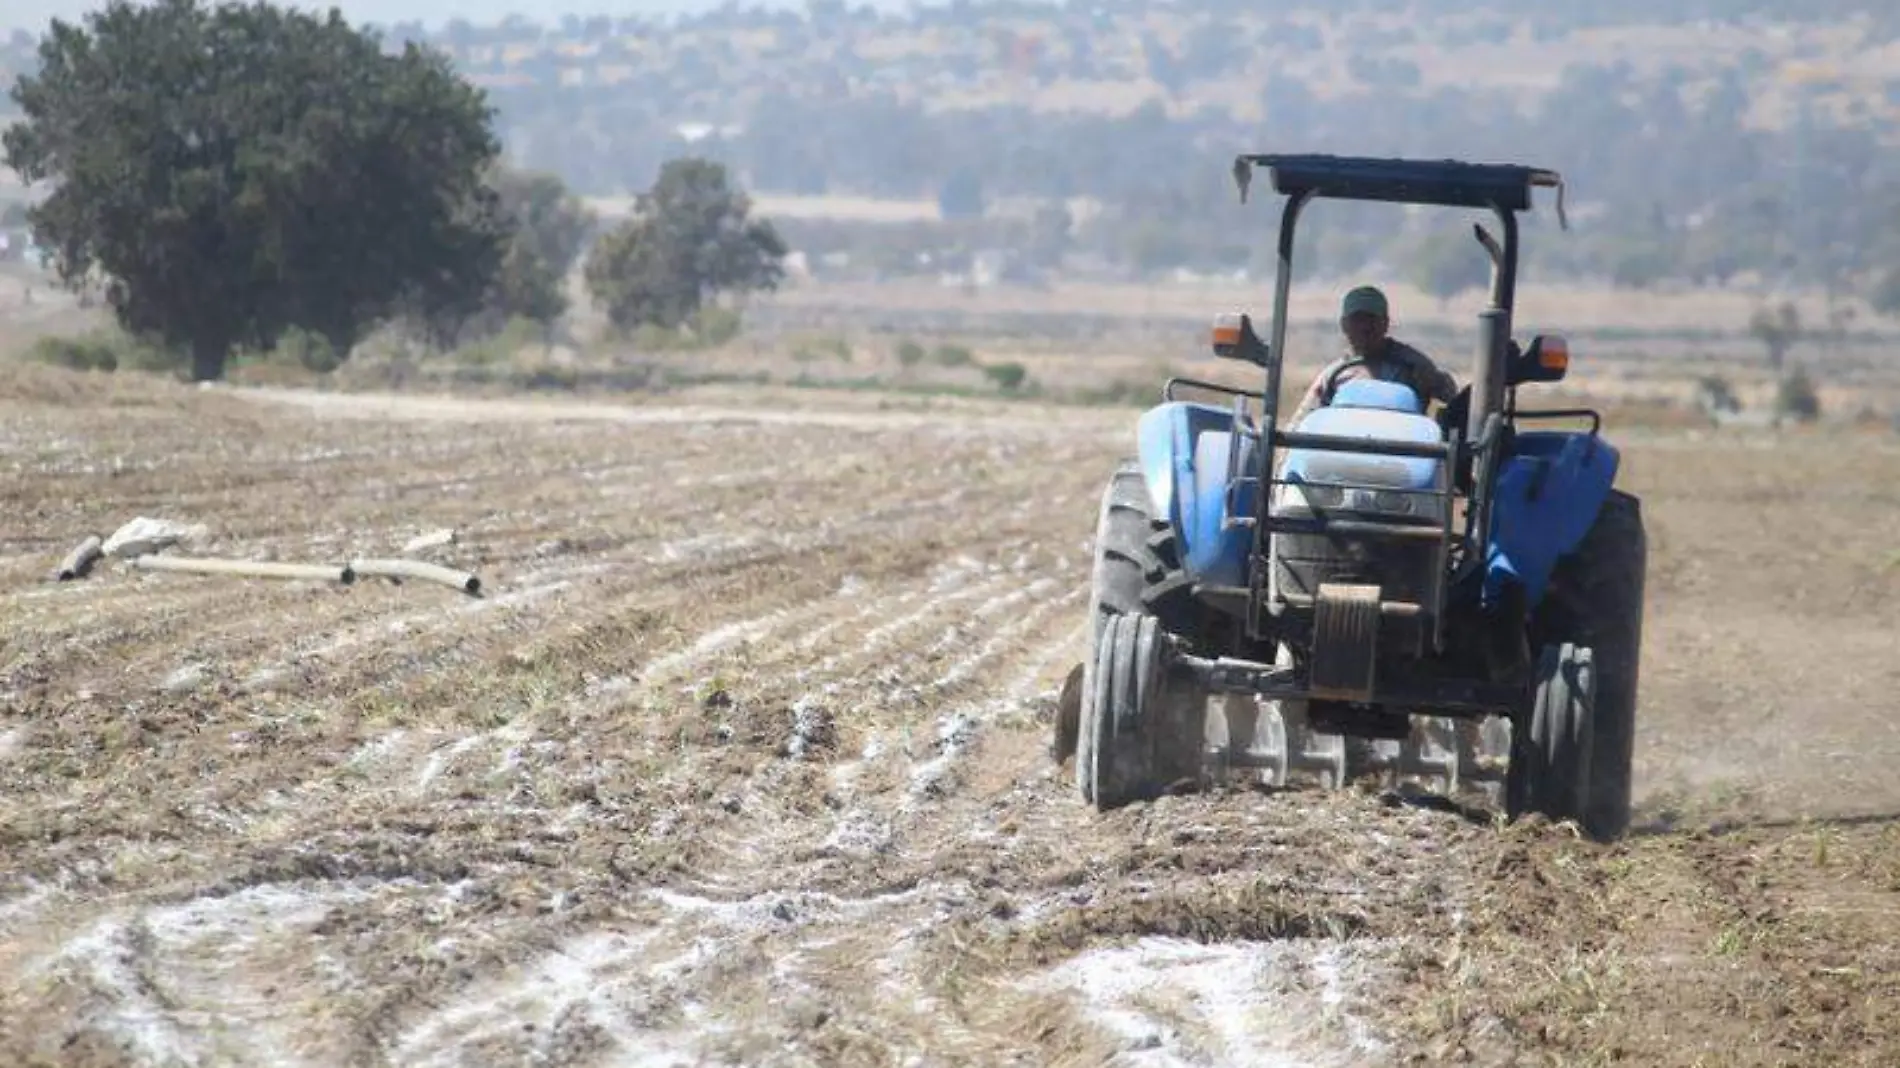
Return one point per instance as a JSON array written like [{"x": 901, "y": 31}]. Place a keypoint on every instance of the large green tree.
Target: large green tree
[
  {"x": 235, "y": 171},
  {"x": 689, "y": 240}
]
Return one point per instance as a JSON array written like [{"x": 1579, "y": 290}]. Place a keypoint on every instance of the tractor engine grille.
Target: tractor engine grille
[{"x": 1403, "y": 570}]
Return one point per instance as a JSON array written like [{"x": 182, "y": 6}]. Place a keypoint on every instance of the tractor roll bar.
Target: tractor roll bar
[
  {"x": 1449, "y": 183},
  {"x": 1503, "y": 189},
  {"x": 1282, "y": 291}
]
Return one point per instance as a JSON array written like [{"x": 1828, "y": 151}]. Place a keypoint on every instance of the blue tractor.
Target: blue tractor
[{"x": 1375, "y": 577}]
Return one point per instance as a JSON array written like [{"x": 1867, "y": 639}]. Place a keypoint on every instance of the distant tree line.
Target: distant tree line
[
  {"x": 1670, "y": 178},
  {"x": 1688, "y": 188}
]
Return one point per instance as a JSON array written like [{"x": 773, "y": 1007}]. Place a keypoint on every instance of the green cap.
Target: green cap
[{"x": 1364, "y": 299}]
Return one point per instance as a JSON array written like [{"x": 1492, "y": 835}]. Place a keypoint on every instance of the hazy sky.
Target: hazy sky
[{"x": 33, "y": 14}]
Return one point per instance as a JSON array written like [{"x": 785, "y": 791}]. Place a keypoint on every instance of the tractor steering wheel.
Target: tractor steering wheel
[{"x": 1332, "y": 381}]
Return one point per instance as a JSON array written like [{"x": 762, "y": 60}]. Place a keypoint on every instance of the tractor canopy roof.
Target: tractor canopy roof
[{"x": 1451, "y": 183}]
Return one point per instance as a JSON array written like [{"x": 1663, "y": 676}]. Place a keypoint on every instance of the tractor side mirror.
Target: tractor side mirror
[
  {"x": 1234, "y": 339},
  {"x": 1547, "y": 360}
]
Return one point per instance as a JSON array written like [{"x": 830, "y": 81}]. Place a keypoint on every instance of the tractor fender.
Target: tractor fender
[
  {"x": 1548, "y": 493},
  {"x": 1183, "y": 453}
]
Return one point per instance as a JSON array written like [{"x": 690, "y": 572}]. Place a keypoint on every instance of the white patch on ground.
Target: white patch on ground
[
  {"x": 17, "y": 912},
  {"x": 607, "y": 690},
  {"x": 376, "y": 750},
  {"x": 778, "y": 909},
  {"x": 955, "y": 732},
  {"x": 185, "y": 678},
  {"x": 817, "y": 635},
  {"x": 235, "y": 922},
  {"x": 811, "y": 725},
  {"x": 1330, "y": 967},
  {"x": 508, "y": 735},
  {"x": 953, "y": 574},
  {"x": 702, "y": 548},
  {"x": 265, "y": 680},
  {"x": 595, "y": 978},
  {"x": 132, "y": 1012},
  {"x": 1177, "y": 1002},
  {"x": 172, "y": 982},
  {"x": 12, "y": 740},
  {"x": 857, "y": 831}
]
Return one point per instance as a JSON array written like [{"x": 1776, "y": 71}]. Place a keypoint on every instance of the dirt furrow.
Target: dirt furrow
[{"x": 742, "y": 758}]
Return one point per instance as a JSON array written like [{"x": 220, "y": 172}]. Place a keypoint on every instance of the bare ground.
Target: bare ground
[{"x": 740, "y": 759}]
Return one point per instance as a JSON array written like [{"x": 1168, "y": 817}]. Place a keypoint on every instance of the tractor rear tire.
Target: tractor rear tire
[
  {"x": 1137, "y": 560},
  {"x": 1551, "y": 750},
  {"x": 1597, "y": 599},
  {"x": 1137, "y": 571}
]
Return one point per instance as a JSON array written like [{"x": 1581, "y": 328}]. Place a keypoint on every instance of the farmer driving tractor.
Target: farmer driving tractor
[{"x": 1365, "y": 320}]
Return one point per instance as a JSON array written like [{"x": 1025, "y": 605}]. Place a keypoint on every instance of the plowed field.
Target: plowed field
[{"x": 740, "y": 758}]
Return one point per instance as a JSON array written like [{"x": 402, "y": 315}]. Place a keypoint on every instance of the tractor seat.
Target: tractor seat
[{"x": 1368, "y": 408}]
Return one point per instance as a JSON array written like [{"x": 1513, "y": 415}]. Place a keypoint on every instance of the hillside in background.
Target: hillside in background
[{"x": 1707, "y": 142}]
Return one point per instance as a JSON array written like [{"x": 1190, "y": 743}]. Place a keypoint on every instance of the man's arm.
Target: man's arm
[
  {"x": 1443, "y": 386},
  {"x": 1439, "y": 384},
  {"x": 1313, "y": 398}
]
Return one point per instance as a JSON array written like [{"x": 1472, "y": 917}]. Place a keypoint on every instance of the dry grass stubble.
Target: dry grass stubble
[{"x": 741, "y": 758}]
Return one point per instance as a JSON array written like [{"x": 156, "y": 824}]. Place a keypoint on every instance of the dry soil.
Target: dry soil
[{"x": 739, "y": 758}]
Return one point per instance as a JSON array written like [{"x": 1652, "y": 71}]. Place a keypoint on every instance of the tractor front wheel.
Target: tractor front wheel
[
  {"x": 1122, "y": 705},
  {"x": 1549, "y": 771}
]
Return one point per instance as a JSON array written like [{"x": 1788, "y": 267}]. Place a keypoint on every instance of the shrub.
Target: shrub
[
  {"x": 713, "y": 325},
  {"x": 312, "y": 352},
  {"x": 1795, "y": 398},
  {"x": 954, "y": 356},
  {"x": 1008, "y": 377},
  {"x": 76, "y": 354},
  {"x": 109, "y": 349},
  {"x": 504, "y": 345},
  {"x": 830, "y": 347},
  {"x": 1717, "y": 395}
]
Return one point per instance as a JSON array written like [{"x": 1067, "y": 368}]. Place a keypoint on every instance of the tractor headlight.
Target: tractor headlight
[
  {"x": 1394, "y": 503},
  {"x": 1320, "y": 498},
  {"x": 1323, "y": 498}
]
